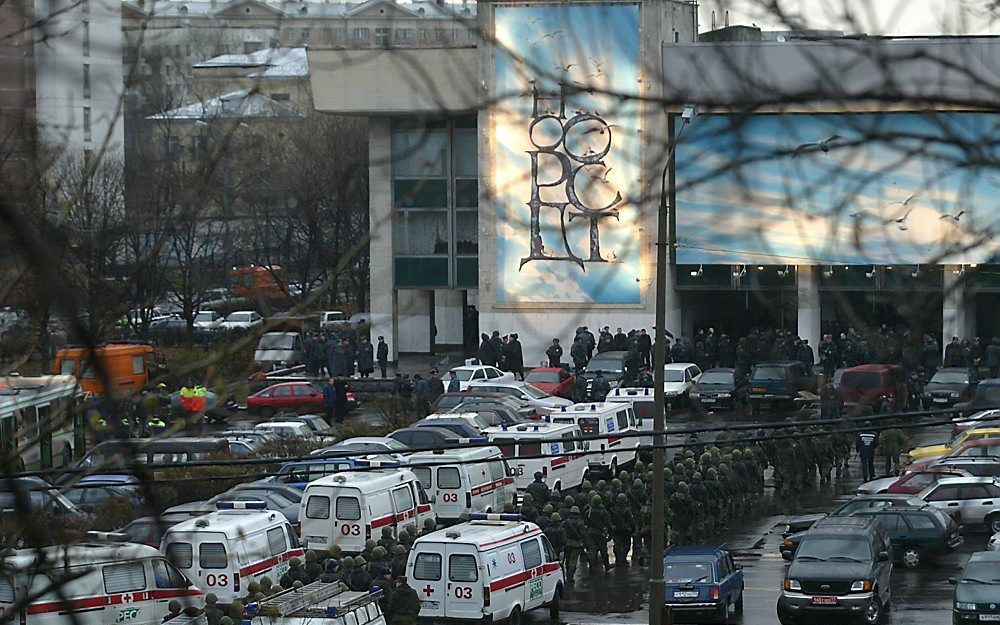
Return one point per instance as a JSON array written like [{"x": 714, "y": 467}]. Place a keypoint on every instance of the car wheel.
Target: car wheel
[
  {"x": 739, "y": 604},
  {"x": 873, "y": 614},
  {"x": 783, "y": 616},
  {"x": 911, "y": 557},
  {"x": 724, "y": 614},
  {"x": 993, "y": 522},
  {"x": 515, "y": 616}
]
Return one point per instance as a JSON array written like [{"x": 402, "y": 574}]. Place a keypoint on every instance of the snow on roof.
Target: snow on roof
[
  {"x": 274, "y": 62},
  {"x": 236, "y": 105},
  {"x": 419, "y": 9}
]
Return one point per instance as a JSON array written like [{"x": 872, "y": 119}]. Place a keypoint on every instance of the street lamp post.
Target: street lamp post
[{"x": 656, "y": 583}]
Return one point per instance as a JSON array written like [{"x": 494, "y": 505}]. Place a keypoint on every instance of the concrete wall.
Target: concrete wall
[
  {"x": 414, "y": 324},
  {"x": 448, "y": 316},
  {"x": 382, "y": 297}
]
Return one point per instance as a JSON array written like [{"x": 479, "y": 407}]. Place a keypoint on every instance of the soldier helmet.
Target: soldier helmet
[
  {"x": 430, "y": 523},
  {"x": 723, "y": 468},
  {"x": 679, "y": 467},
  {"x": 636, "y": 483},
  {"x": 713, "y": 450},
  {"x": 370, "y": 544},
  {"x": 174, "y": 606},
  {"x": 386, "y": 532},
  {"x": 527, "y": 498},
  {"x": 574, "y": 510},
  {"x": 253, "y": 587},
  {"x": 548, "y": 508},
  {"x": 568, "y": 500},
  {"x": 225, "y": 620},
  {"x": 585, "y": 486},
  {"x": 688, "y": 453},
  {"x": 595, "y": 500},
  {"x": 727, "y": 457},
  {"x": 378, "y": 552},
  {"x": 464, "y": 516},
  {"x": 682, "y": 487},
  {"x": 621, "y": 497},
  {"x": 508, "y": 506},
  {"x": 623, "y": 475},
  {"x": 348, "y": 562},
  {"x": 689, "y": 463},
  {"x": 211, "y": 598},
  {"x": 335, "y": 550},
  {"x": 332, "y": 564},
  {"x": 640, "y": 467},
  {"x": 697, "y": 477},
  {"x": 737, "y": 454},
  {"x": 360, "y": 561},
  {"x": 704, "y": 458},
  {"x": 265, "y": 582},
  {"x": 667, "y": 472},
  {"x": 616, "y": 484},
  {"x": 539, "y": 476},
  {"x": 295, "y": 562},
  {"x": 399, "y": 550},
  {"x": 404, "y": 535},
  {"x": 712, "y": 473},
  {"x": 602, "y": 485},
  {"x": 310, "y": 556},
  {"x": 748, "y": 452},
  {"x": 649, "y": 475}
]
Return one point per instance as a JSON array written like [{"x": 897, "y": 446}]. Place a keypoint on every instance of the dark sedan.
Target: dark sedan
[
  {"x": 977, "y": 592},
  {"x": 424, "y": 437},
  {"x": 720, "y": 388},
  {"x": 948, "y": 387}
]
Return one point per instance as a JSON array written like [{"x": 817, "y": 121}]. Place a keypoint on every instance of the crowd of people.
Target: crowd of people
[{"x": 336, "y": 356}]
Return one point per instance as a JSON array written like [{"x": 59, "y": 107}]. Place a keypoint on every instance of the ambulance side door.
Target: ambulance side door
[
  {"x": 125, "y": 584},
  {"x": 506, "y": 581},
  {"x": 425, "y": 569},
  {"x": 464, "y": 598},
  {"x": 403, "y": 505},
  {"x": 168, "y": 584},
  {"x": 532, "y": 560}
]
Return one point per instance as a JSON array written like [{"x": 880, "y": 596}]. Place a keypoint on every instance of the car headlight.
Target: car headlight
[
  {"x": 861, "y": 585},
  {"x": 927, "y": 394},
  {"x": 724, "y": 394},
  {"x": 954, "y": 394},
  {"x": 792, "y": 584},
  {"x": 962, "y": 605},
  {"x": 695, "y": 395}
]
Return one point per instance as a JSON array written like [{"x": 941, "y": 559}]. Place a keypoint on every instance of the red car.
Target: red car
[
  {"x": 969, "y": 449},
  {"x": 883, "y": 387},
  {"x": 913, "y": 483},
  {"x": 300, "y": 397},
  {"x": 552, "y": 380}
]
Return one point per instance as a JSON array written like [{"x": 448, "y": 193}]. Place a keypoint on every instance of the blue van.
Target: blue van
[
  {"x": 702, "y": 582},
  {"x": 299, "y": 474}
]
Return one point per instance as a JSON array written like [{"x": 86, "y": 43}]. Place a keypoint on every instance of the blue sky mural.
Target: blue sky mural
[
  {"x": 563, "y": 135},
  {"x": 874, "y": 188}
]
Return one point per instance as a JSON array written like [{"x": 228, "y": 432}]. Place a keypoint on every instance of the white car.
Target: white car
[
  {"x": 976, "y": 420},
  {"x": 678, "y": 380},
  {"x": 367, "y": 444},
  {"x": 542, "y": 401},
  {"x": 971, "y": 500},
  {"x": 468, "y": 373},
  {"x": 286, "y": 429},
  {"x": 207, "y": 320},
  {"x": 241, "y": 320}
]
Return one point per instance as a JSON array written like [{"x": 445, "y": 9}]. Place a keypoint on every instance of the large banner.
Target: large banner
[
  {"x": 566, "y": 166},
  {"x": 811, "y": 189}
]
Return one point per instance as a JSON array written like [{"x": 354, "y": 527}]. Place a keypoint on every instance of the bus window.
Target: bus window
[
  {"x": 590, "y": 425},
  {"x": 138, "y": 365},
  {"x": 622, "y": 416},
  {"x": 529, "y": 449},
  {"x": 67, "y": 367}
]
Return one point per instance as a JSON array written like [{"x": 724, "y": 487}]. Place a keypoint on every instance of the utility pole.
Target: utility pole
[{"x": 656, "y": 584}]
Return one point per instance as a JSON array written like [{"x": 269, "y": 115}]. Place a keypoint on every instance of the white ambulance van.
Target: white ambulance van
[
  {"x": 641, "y": 400},
  {"x": 347, "y": 509},
  {"x": 464, "y": 480},
  {"x": 609, "y": 420},
  {"x": 485, "y": 570},
  {"x": 540, "y": 447},
  {"x": 105, "y": 583},
  {"x": 223, "y": 551}
]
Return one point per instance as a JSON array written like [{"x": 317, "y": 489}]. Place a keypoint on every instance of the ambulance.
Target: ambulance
[
  {"x": 491, "y": 568},
  {"x": 106, "y": 581},
  {"x": 477, "y": 479},
  {"x": 610, "y": 421},
  {"x": 347, "y": 509},
  {"x": 542, "y": 448},
  {"x": 641, "y": 400},
  {"x": 223, "y": 551}
]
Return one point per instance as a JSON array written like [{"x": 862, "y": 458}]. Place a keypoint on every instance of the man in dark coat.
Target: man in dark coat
[
  {"x": 993, "y": 357},
  {"x": 403, "y": 605},
  {"x": 486, "y": 356},
  {"x": 578, "y": 352},
  {"x": 435, "y": 384},
  {"x": 366, "y": 361},
  {"x": 554, "y": 353},
  {"x": 496, "y": 344},
  {"x": 330, "y": 400},
  {"x": 645, "y": 344},
  {"x": 515, "y": 357},
  {"x": 620, "y": 341},
  {"x": 382, "y": 354}
]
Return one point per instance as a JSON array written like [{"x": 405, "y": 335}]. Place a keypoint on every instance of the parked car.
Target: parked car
[
  {"x": 857, "y": 504},
  {"x": 773, "y": 383},
  {"x": 979, "y": 466},
  {"x": 475, "y": 421},
  {"x": 468, "y": 373},
  {"x": 298, "y": 397},
  {"x": 948, "y": 387},
  {"x": 612, "y": 367},
  {"x": 977, "y": 592},
  {"x": 424, "y": 437},
  {"x": 702, "y": 582},
  {"x": 365, "y": 445},
  {"x": 275, "y": 500},
  {"x": 987, "y": 396},
  {"x": 286, "y": 429},
  {"x": 207, "y": 320},
  {"x": 942, "y": 449},
  {"x": 317, "y": 423},
  {"x": 917, "y": 534},
  {"x": 981, "y": 449},
  {"x": 93, "y": 490},
  {"x": 841, "y": 571},
  {"x": 971, "y": 500},
  {"x": 720, "y": 388},
  {"x": 678, "y": 380},
  {"x": 241, "y": 320},
  {"x": 555, "y": 381},
  {"x": 539, "y": 399},
  {"x": 278, "y": 350},
  {"x": 965, "y": 421},
  {"x": 507, "y": 411},
  {"x": 149, "y": 530},
  {"x": 883, "y": 388},
  {"x": 909, "y": 483},
  {"x": 459, "y": 427},
  {"x": 517, "y": 409}
]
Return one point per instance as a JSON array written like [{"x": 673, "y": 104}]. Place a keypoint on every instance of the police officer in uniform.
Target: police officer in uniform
[{"x": 866, "y": 443}]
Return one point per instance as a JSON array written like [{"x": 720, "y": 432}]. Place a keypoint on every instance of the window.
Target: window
[
  {"x": 290, "y": 34},
  {"x": 212, "y": 556},
  {"x": 348, "y": 508},
  {"x": 382, "y": 37},
  {"x": 281, "y": 97},
  {"x": 531, "y": 554},
  {"x": 67, "y": 367},
  {"x": 529, "y": 449},
  {"x": 449, "y": 478},
  {"x": 427, "y": 567},
  {"x": 977, "y": 491},
  {"x": 361, "y": 34},
  {"x": 462, "y": 568},
  {"x": 86, "y": 80},
  {"x": 167, "y": 576},
  {"x": 493, "y": 373},
  {"x": 422, "y": 34},
  {"x": 403, "y": 498},
  {"x": 404, "y": 34},
  {"x": 276, "y": 541},
  {"x": 568, "y": 445},
  {"x": 423, "y": 474},
  {"x": 340, "y": 34},
  {"x": 138, "y": 365},
  {"x": 471, "y": 33},
  {"x": 181, "y": 555},
  {"x": 305, "y": 33},
  {"x": 125, "y": 577},
  {"x": 891, "y": 522},
  {"x": 455, "y": 34},
  {"x": 922, "y": 522},
  {"x": 622, "y": 417},
  {"x": 86, "y": 124},
  {"x": 86, "y": 38},
  {"x": 944, "y": 493},
  {"x": 550, "y": 553},
  {"x": 422, "y": 497},
  {"x": 6, "y": 590},
  {"x": 283, "y": 391}
]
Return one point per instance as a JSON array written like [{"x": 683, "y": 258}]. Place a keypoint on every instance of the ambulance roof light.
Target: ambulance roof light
[
  {"x": 339, "y": 477},
  {"x": 493, "y": 516},
  {"x": 563, "y": 408},
  {"x": 331, "y": 610},
  {"x": 106, "y": 537},
  {"x": 241, "y": 505},
  {"x": 452, "y": 534},
  {"x": 593, "y": 406}
]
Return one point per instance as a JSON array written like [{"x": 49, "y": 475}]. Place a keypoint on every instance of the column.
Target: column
[
  {"x": 807, "y": 277},
  {"x": 449, "y": 317},
  {"x": 382, "y": 290},
  {"x": 675, "y": 318},
  {"x": 413, "y": 321},
  {"x": 958, "y": 318}
]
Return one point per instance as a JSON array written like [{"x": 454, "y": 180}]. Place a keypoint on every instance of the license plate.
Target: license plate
[
  {"x": 989, "y": 617},
  {"x": 429, "y": 604},
  {"x": 939, "y": 400},
  {"x": 686, "y": 594},
  {"x": 708, "y": 400},
  {"x": 824, "y": 600}
]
